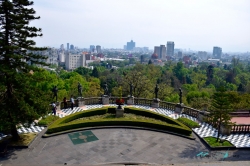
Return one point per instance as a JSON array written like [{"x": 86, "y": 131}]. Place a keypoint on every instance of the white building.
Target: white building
[{"x": 73, "y": 61}]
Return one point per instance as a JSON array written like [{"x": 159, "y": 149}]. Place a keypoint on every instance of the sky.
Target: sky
[{"x": 192, "y": 24}]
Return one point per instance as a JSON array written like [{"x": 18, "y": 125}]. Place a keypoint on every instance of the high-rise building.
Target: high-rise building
[
  {"x": 98, "y": 49},
  {"x": 179, "y": 54},
  {"x": 170, "y": 48},
  {"x": 92, "y": 48},
  {"x": 73, "y": 61},
  {"x": 157, "y": 50},
  {"x": 162, "y": 52},
  {"x": 130, "y": 45},
  {"x": 202, "y": 55},
  {"x": 217, "y": 51},
  {"x": 72, "y": 47},
  {"x": 62, "y": 47},
  {"x": 67, "y": 46}
]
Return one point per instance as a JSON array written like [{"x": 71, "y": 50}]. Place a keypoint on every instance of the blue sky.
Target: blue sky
[{"x": 195, "y": 24}]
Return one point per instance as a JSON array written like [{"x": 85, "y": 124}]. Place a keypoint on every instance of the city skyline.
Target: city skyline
[{"x": 194, "y": 24}]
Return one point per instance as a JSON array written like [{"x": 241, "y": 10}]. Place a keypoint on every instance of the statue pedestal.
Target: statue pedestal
[
  {"x": 119, "y": 112},
  {"x": 105, "y": 100},
  {"x": 58, "y": 105},
  {"x": 81, "y": 101},
  {"x": 155, "y": 103},
  {"x": 179, "y": 108},
  {"x": 130, "y": 100}
]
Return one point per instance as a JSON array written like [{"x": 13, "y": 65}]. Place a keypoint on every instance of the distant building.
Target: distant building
[
  {"x": 72, "y": 47},
  {"x": 130, "y": 45},
  {"x": 62, "y": 47},
  {"x": 73, "y": 61},
  {"x": 157, "y": 51},
  {"x": 92, "y": 48},
  {"x": 162, "y": 52},
  {"x": 61, "y": 57},
  {"x": 202, "y": 55},
  {"x": 67, "y": 46},
  {"x": 170, "y": 48},
  {"x": 125, "y": 47},
  {"x": 179, "y": 54},
  {"x": 217, "y": 51},
  {"x": 98, "y": 49}
]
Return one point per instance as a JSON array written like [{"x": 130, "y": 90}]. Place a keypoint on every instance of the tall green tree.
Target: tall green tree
[
  {"x": 21, "y": 101},
  {"x": 220, "y": 109}
]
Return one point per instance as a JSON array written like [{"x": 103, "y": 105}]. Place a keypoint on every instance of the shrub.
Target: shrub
[
  {"x": 151, "y": 114},
  {"x": 47, "y": 120},
  {"x": 119, "y": 122},
  {"x": 188, "y": 122}
]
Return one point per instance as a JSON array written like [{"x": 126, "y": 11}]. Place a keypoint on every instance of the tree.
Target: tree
[
  {"x": 95, "y": 72},
  {"x": 21, "y": 102},
  {"x": 220, "y": 109}
]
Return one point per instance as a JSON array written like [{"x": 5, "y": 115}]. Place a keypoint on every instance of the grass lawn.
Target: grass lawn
[
  {"x": 188, "y": 122},
  {"x": 47, "y": 120},
  {"x": 212, "y": 142},
  {"x": 25, "y": 140},
  {"x": 125, "y": 117}
]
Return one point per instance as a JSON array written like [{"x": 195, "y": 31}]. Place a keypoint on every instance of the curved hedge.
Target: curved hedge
[{"x": 65, "y": 123}]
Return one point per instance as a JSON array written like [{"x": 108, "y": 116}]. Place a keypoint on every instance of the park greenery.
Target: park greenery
[
  {"x": 189, "y": 122},
  {"x": 212, "y": 142},
  {"x": 106, "y": 117}
]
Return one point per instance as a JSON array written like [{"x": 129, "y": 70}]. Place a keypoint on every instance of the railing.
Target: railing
[
  {"x": 93, "y": 100},
  {"x": 240, "y": 129},
  {"x": 112, "y": 100},
  {"x": 167, "y": 105},
  {"x": 142, "y": 101},
  {"x": 191, "y": 111}
]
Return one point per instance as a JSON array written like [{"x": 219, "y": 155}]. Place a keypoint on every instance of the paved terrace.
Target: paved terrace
[{"x": 122, "y": 145}]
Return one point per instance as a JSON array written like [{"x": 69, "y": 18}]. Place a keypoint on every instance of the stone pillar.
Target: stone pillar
[
  {"x": 119, "y": 112},
  {"x": 179, "y": 108},
  {"x": 105, "y": 100},
  {"x": 58, "y": 105},
  {"x": 225, "y": 129},
  {"x": 81, "y": 102},
  {"x": 130, "y": 100},
  {"x": 155, "y": 103}
]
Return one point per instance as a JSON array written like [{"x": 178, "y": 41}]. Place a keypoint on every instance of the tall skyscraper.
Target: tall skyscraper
[
  {"x": 170, "y": 48},
  {"x": 217, "y": 51},
  {"x": 130, "y": 45},
  {"x": 162, "y": 52},
  {"x": 98, "y": 49},
  {"x": 157, "y": 50},
  {"x": 67, "y": 46},
  {"x": 62, "y": 47},
  {"x": 72, "y": 47},
  {"x": 92, "y": 48}
]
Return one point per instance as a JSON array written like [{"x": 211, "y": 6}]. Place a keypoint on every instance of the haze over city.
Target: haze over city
[{"x": 194, "y": 24}]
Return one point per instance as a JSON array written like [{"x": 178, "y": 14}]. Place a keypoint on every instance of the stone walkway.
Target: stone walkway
[{"x": 120, "y": 146}]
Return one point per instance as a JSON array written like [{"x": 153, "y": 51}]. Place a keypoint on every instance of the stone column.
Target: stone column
[
  {"x": 105, "y": 99},
  {"x": 58, "y": 105},
  {"x": 155, "y": 103},
  {"x": 225, "y": 129},
  {"x": 130, "y": 100},
  {"x": 179, "y": 108},
  {"x": 81, "y": 101},
  {"x": 119, "y": 111}
]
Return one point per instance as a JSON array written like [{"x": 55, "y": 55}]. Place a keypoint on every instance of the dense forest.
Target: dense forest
[{"x": 198, "y": 83}]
